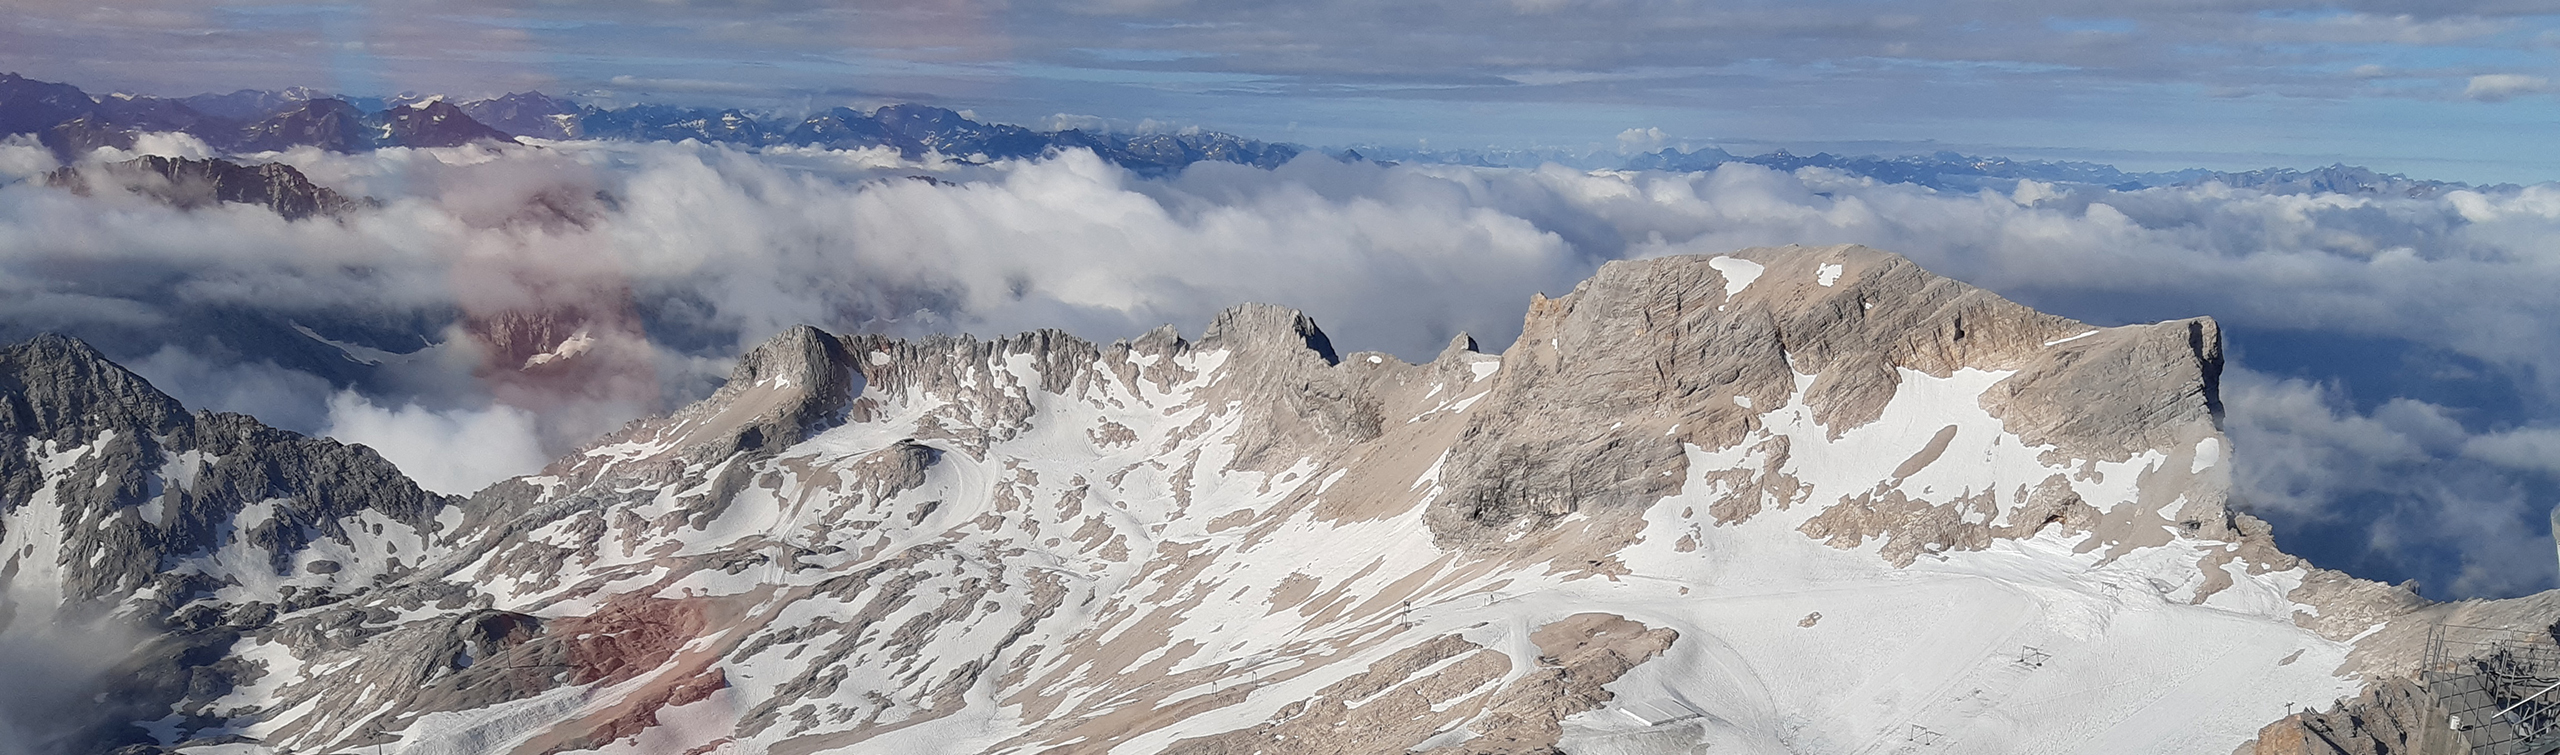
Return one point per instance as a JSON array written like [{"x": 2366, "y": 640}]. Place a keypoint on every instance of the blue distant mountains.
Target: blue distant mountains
[
  {"x": 1952, "y": 171},
  {"x": 73, "y": 122}
]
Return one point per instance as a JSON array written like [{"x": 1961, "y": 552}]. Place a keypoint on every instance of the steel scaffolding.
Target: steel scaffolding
[{"x": 2501, "y": 684}]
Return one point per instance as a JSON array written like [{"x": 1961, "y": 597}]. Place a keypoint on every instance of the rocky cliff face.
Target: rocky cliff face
[{"x": 1792, "y": 499}]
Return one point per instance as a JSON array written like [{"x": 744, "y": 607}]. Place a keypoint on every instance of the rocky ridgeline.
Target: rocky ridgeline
[
  {"x": 124, "y": 508},
  {"x": 1254, "y": 543},
  {"x": 190, "y": 183}
]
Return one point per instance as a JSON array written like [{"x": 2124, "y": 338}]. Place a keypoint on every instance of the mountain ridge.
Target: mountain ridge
[
  {"x": 73, "y": 123},
  {"x": 1782, "y": 497}
]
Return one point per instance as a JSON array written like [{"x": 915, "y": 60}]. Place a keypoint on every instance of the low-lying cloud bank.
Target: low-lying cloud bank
[{"x": 2391, "y": 401}]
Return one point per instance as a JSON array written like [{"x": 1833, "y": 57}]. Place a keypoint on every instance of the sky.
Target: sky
[{"x": 2449, "y": 90}]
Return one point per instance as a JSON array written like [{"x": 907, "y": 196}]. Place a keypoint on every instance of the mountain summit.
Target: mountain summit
[{"x": 1783, "y": 500}]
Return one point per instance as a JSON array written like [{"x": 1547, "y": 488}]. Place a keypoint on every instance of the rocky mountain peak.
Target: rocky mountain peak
[
  {"x": 1256, "y": 327},
  {"x": 108, "y": 484},
  {"x": 189, "y": 183},
  {"x": 28, "y": 106},
  {"x": 526, "y": 114},
  {"x": 62, "y": 389},
  {"x": 328, "y": 123},
  {"x": 434, "y": 123}
]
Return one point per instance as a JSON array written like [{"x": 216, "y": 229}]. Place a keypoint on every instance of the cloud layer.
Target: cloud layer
[{"x": 2391, "y": 403}]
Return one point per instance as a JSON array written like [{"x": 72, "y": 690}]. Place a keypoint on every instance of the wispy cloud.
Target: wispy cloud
[{"x": 2500, "y": 87}]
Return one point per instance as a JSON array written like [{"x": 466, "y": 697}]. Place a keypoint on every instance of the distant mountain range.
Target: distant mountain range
[
  {"x": 74, "y": 122},
  {"x": 1958, "y": 172}
]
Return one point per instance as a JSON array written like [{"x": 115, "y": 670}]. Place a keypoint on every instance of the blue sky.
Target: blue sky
[{"x": 2459, "y": 90}]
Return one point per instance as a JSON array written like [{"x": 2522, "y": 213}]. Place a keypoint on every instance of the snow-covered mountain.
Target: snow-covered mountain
[{"x": 1809, "y": 500}]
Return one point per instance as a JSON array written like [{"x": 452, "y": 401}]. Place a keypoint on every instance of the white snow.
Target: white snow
[
  {"x": 1828, "y": 274},
  {"x": 1738, "y": 273},
  {"x": 2208, "y": 453}
]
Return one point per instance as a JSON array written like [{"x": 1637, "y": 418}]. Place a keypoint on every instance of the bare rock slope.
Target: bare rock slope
[{"x": 1783, "y": 500}]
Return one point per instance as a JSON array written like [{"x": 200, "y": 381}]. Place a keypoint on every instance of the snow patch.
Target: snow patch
[{"x": 1738, "y": 273}]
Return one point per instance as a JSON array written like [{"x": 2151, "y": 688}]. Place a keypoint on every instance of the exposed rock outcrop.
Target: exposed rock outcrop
[{"x": 2392, "y": 717}]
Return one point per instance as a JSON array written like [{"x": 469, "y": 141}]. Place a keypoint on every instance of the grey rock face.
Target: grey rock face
[
  {"x": 165, "y": 484},
  {"x": 1689, "y": 349},
  {"x": 2394, "y": 716}
]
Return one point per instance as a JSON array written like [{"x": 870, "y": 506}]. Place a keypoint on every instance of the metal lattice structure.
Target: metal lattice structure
[{"x": 2502, "y": 686}]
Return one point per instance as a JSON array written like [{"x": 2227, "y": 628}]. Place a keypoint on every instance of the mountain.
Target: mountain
[
  {"x": 339, "y": 126},
  {"x": 189, "y": 184},
  {"x": 1789, "y": 499},
  {"x": 434, "y": 123},
  {"x": 531, "y": 114},
  {"x": 914, "y": 130},
  {"x": 195, "y": 527},
  {"x": 74, "y": 123},
  {"x": 838, "y": 128},
  {"x": 671, "y": 123},
  {"x": 2334, "y": 179},
  {"x": 330, "y": 124},
  {"x": 28, "y": 106},
  {"x": 251, "y": 104},
  {"x": 1950, "y": 171}
]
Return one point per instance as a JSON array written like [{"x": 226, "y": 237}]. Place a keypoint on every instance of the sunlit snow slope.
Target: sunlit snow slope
[{"x": 1808, "y": 500}]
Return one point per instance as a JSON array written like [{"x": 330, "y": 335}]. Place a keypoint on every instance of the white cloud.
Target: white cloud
[
  {"x": 21, "y": 156},
  {"x": 2391, "y": 485},
  {"x": 1642, "y": 139},
  {"x": 275, "y": 395},
  {"x": 454, "y": 451},
  {"x": 2534, "y": 448},
  {"x": 2500, "y": 87},
  {"x": 1071, "y": 121},
  {"x": 58, "y": 669},
  {"x": 161, "y": 143}
]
